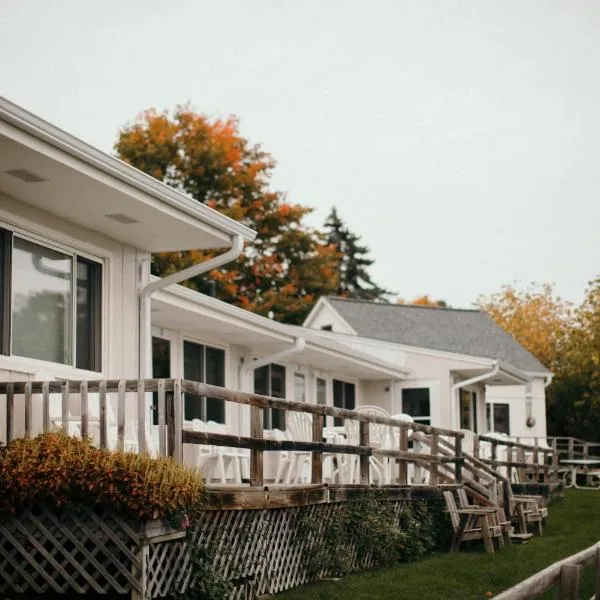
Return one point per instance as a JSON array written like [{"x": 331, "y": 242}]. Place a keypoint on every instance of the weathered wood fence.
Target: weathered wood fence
[{"x": 564, "y": 576}]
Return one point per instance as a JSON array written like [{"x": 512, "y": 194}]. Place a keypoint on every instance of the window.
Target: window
[
  {"x": 270, "y": 381},
  {"x": 327, "y": 327},
  {"x": 344, "y": 396},
  {"x": 501, "y": 418},
  {"x": 299, "y": 388},
  {"x": 416, "y": 403},
  {"x": 468, "y": 410},
  {"x": 51, "y": 304},
  {"x": 321, "y": 391},
  {"x": 161, "y": 368},
  {"x": 206, "y": 365}
]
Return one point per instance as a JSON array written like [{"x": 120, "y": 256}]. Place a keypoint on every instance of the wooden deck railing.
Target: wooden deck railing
[
  {"x": 538, "y": 460},
  {"x": 563, "y": 575},
  {"x": 172, "y": 435}
]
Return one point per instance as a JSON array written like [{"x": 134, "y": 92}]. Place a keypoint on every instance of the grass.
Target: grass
[{"x": 572, "y": 525}]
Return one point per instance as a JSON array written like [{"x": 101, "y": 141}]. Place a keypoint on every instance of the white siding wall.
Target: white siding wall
[{"x": 326, "y": 316}]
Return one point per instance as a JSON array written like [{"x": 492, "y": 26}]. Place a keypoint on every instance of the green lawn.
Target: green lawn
[{"x": 573, "y": 524}]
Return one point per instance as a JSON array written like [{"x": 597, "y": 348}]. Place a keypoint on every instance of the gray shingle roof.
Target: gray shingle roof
[{"x": 470, "y": 332}]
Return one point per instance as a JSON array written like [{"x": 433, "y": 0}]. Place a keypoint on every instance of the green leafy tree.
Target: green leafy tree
[
  {"x": 354, "y": 280},
  {"x": 288, "y": 266}
]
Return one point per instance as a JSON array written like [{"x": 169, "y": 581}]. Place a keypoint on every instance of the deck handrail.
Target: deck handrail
[{"x": 564, "y": 574}]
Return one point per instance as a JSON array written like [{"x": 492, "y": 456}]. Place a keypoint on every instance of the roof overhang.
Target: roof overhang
[
  {"x": 207, "y": 318},
  {"x": 81, "y": 184},
  {"x": 498, "y": 374}
]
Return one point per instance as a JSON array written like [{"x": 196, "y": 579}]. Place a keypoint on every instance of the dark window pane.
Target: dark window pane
[
  {"x": 344, "y": 396},
  {"x": 161, "y": 368},
  {"x": 193, "y": 369},
  {"x": 215, "y": 375},
  {"x": 5, "y": 271},
  {"x": 261, "y": 381},
  {"x": 270, "y": 381},
  {"x": 415, "y": 402},
  {"x": 89, "y": 315},
  {"x": 502, "y": 418}
]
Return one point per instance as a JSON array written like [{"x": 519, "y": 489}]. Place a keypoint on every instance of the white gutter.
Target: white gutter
[{"x": 145, "y": 358}]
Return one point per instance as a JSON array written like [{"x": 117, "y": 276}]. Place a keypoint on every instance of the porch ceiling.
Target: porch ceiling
[
  {"x": 75, "y": 191},
  {"x": 501, "y": 378}
]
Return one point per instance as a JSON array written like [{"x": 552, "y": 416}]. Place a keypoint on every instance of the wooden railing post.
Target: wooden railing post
[
  {"x": 536, "y": 461},
  {"x": 10, "y": 412},
  {"x": 83, "y": 399},
  {"x": 495, "y": 455},
  {"x": 568, "y": 586},
  {"x": 403, "y": 463},
  {"x": 141, "y": 407},
  {"x": 162, "y": 418},
  {"x": 256, "y": 456},
  {"x": 364, "y": 458},
  {"x": 103, "y": 420},
  {"x": 597, "y": 572},
  {"x": 509, "y": 459},
  {"x": 571, "y": 448},
  {"x": 459, "y": 459},
  {"x": 433, "y": 471},
  {"x": 65, "y": 407},
  {"x": 121, "y": 415},
  {"x": 178, "y": 421},
  {"x": 317, "y": 457}
]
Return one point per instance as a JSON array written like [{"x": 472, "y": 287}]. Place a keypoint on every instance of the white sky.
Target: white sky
[{"x": 459, "y": 138}]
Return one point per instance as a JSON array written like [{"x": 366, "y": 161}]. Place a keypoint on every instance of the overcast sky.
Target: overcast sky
[{"x": 460, "y": 139}]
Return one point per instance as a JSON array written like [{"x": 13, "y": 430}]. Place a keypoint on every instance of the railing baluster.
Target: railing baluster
[
  {"x": 363, "y": 429},
  {"x": 141, "y": 407},
  {"x": 121, "y": 416},
  {"x": 46, "y": 406},
  {"x": 83, "y": 395},
  {"x": 403, "y": 462},
  {"x": 178, "y": 421},
  {"x": 317, "y": 457},
  {"x": 162, "y": 450},
  {"x": 103, "y": 419},
  {"x": 597, "y": 588},
  {"x": 568, "y": 587},
  {"x": 433, "y": 469},
  {"x": 458, "y": 456},
  {"x": 256, "y": 456},
  {"x": 65, "y": 407},
  {"x": 10, "y": 412},
  {"x": 28, "y": 408}
]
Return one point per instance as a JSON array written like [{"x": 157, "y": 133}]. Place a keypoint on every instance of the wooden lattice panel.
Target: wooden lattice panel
[{"x": 87, "y": 551}]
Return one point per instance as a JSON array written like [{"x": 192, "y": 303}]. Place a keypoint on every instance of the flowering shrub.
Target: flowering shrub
[{"x": 54, "y": 469}]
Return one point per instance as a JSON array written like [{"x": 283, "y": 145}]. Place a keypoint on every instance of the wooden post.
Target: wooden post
[
  {"x": 317, "y": 457},
  {"x": 403, "y": 463},
  {"x": 495, "y": 455},
  {"x": 509, "y": 459},
  {"x": 121, "y": 415},
  {"x": 141, "y": 407},
  {"x": 364, "y": 458},
  {"x": 10, "y": 412},
  {"x": 459, "y": 459},
  {"x": 571, "y": 448},
  {"x": 83, "y": 398},
  {"x": 598, "y": 572},
  {"x": 162, "y": 421},
  {"x": 176, "y": 434},
  {"x": 28, "y": 408},
  {"x": 46, "y": 406},
  {"x": 433, "y": 468},
  {"x": 568, "y": 586},
  {"x": 103, "y": 423},
  {"x": 476, "y": 446},
  {"x": 256, "y": 456},
  {"x": 536, "y": 462},
  {"x": 65, "y": 407}
]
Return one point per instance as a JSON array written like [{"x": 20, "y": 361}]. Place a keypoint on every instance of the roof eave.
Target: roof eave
[{"x": 52, "y": 135}]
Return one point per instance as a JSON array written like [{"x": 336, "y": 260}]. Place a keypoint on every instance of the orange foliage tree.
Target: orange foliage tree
[
  {"x": 535, "y": 317},
  {"x": 288, "y": 266},
  {"x": 424, "y": 300}
]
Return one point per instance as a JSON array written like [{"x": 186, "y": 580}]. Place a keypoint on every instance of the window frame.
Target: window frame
[
  {"x": 204, "y": 344},
  {"x": 337, "y": 421},
  {"x": 268, "y": 413},
  {"x": 423, "y": 419},
  {"x": 99, "y": 269}
]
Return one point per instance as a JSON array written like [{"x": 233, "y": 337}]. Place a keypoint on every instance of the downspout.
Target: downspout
[
  {"x": 145, "y": 358},
  {"x": 471, "y": 381},
  {"x": 549, "y": 379}
]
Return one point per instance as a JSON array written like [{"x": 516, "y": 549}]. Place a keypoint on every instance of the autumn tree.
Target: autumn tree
[
  {"x": 535, "y": 317},
  {"x": 288, "y": 266},
  {"x": 424, "y": 300},
  {"x": 354, "y": 280}
]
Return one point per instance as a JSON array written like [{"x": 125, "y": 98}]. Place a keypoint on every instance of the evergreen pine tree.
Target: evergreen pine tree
[{"x": 354, "y": 262}]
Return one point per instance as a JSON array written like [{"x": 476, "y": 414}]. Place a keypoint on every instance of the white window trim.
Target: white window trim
[
  {"x": 434, "y": 398},
  {"x": 33, "y": 365}
]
